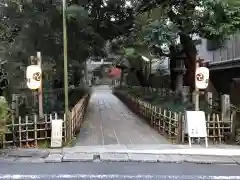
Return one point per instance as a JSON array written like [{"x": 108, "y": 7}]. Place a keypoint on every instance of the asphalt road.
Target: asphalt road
[{"x": 118, "y": 171}]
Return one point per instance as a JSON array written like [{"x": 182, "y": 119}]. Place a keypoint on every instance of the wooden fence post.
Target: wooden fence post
[
  {"x": 65, "y": 128},
  {"x": 20, "y": 131},
  {"x": 209, "y": 99},
  {"x": 35, "y": 129},
  {"x": 225, "y": 108}
]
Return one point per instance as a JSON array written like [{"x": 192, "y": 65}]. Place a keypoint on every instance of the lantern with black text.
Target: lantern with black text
[
  {"x": 34, "y": 77},
  {"x": 202, "y": 77}
]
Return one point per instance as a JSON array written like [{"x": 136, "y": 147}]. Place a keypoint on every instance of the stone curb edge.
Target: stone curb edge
[
  {"x": 150, "y": 158},
  {"x": 106, "y": 157}
]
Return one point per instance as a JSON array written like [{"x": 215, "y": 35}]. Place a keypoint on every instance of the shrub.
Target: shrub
[{"x": 4, "y": 114}]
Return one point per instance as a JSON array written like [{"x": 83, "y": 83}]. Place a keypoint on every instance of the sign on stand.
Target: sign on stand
[
  {"x": 56, "y": 134},
  {"x": 196, "y": 126}
]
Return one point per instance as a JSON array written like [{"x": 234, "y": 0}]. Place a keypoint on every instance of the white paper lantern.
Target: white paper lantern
[
  {"x": 202, "y": 77},
  {"x": 34, "y": 76}
]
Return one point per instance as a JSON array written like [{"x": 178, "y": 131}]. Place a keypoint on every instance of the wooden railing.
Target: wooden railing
[
  {"x": 171, "y": 124},
  {"x": 32, "y": 131},
  {"x": 76, "y": 118}
]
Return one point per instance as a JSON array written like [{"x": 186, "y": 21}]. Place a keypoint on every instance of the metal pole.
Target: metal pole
[
  {"x": 197, "y": 99},
  {"x": 65, "y": 57},
  {"x": 40, "y": 90},
  {"x": 197, "y": 92},
  {"x": 86, "y": 73}
]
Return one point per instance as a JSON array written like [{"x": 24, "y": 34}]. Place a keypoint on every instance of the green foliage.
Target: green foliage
[
  {"x": 208, "y": 19},
  {"x": 4, "y": 114},
  {"x": 234, "y": 3},
  {"x": 131, "y": 53},
  {"x": 28, "y": 26},
  {"x": 77, "y": 12},
  {"x": 217, "y": 21}
]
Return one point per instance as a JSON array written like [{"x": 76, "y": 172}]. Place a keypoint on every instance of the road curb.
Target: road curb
[
  {"x": 126, "y": 157},
  {"x": 54, "y": 158},
  {"x": 146, "y": 158},
  {"x": 78, "y": 157}
]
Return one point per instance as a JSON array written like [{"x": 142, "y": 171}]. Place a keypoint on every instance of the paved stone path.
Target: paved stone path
[{"x": 108, "y": 121}]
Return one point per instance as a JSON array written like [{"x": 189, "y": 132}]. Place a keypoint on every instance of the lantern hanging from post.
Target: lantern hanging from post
[
  {"x": 202, "y": 78},
  {"x": 34, "y": 76}
]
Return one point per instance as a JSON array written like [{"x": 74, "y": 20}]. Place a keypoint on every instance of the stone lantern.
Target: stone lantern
[{"x": 180, "y": 71}]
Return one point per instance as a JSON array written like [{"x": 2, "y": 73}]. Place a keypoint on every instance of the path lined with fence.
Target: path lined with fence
[{"x": 108, "y": 121}]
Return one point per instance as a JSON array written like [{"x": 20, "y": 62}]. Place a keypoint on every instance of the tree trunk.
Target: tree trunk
[
  {"x": 173, "y": 74},
  {"x": 190, "y": 62},
  {"x": 176, "y": 74},
  {"x": 121, "y": 78},
  {"x": 179, "y": 84},
  {"x": 139, "y": 74},
  {"x": 142, "y": 78}
]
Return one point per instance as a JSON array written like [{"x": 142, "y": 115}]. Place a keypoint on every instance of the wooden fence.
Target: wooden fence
[
  {"x": 171, "y": 124},
  {"x": 32, "y": 131},
  {"x": 76, "y": 118}
]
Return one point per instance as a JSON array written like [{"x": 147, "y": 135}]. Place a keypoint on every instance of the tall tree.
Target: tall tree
[
  {"x": 208, "y": 19},
  {"x": 30, "y": 26}
]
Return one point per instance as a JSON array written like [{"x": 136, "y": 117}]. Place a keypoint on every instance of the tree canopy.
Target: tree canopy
[
  {"x": 29, "y": 26},
  {"x": 165, "y": 25}
]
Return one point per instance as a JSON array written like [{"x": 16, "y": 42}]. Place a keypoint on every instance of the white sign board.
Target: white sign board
[
  {"x": 34, "y": 76},
  {"x": 202, "y": 77},
  {"x": 196, "y": 125},
  {"x": 56, "y": 134}
]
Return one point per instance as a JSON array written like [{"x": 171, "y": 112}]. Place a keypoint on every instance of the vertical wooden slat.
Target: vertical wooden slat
[
  {"x": 176, "y": 134},
  {"x": 183, "y": 120},
  {"x": 72, "y": 119},
  {"x": 35, "y": 130},
  {"x": 160, "y": 120},
  {"x": 69, "y": 123},
  {"x": 214, "y": 128},
  {"x": 13, "y": 131},
  {"x": 164, "y": 121},
  {"x": 20, "y": 131},
  {"x": 208, "y": 124},
  {"x": 55, "y": 116},
  {"x": 26, "y": 125},
  {"x": 152, "y": 115},
  {"x": 51, "y": 117},
  {"x": 46, "y": 125},
  {"x": 155, "y": 117},
  {"x": 65, "y": 128},
  {"x": 170, "y": 124},
  {"x": 219, "y": 131}
]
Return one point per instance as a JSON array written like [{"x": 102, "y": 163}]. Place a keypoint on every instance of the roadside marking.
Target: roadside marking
[
  {"x": 101, "y": 127},
  {"x": 116, "y": 135},
  {"x": 116, "y": 176}
]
